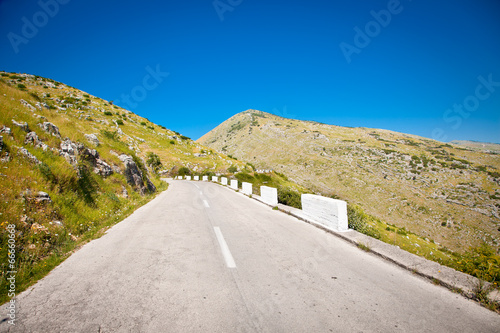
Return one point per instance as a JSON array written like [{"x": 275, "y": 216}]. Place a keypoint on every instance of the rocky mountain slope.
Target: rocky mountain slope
[
  {"x": 72, "y": 164},
  {"x": 447, "y": 193}
]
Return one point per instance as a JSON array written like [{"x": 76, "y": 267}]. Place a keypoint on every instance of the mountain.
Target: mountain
[
  {"x": 72, "y": 164},
  {"x": 475, "y": 145},
  {"x": 447, "y": 193}
]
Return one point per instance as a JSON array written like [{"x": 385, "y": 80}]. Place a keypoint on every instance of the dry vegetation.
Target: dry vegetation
[{"x": 433, "y": 199}]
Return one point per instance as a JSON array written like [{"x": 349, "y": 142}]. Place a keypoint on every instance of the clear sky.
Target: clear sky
[{"x": 430, "y": 68}]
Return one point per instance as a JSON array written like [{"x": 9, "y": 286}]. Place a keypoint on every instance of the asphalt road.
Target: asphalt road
[{"x": 202, "y": 258}]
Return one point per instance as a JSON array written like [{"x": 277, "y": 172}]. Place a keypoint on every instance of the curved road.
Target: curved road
[{"x": 202, "y": 258}]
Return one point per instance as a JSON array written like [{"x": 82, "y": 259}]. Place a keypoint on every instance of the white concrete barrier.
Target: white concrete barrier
[
  {"x": 269, "y": 195},
  {"x": 215, "y": 179},
  {"x": 196, "y": 177},
  {"x": 331, "y": 213},
  {"x": 205, "y": 178},
  {"x": 179, "y": 177},
  {"x": 223, "y": 180},
  {"x": 246, "y": 188},
  {"x": 234, "y": 184},
  {"x": 188, "y": 177}
]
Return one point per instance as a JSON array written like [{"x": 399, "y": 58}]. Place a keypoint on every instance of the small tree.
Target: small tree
[
  {"x": 154, "y": 162},
  {"x": 184, "y": 171}
]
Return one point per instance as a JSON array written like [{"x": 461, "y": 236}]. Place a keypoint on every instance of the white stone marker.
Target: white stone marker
[
  {"x": 269, "y": 195},
  {"x": 215, "y": 179},
  {"x": 246, "y": 188},
  {"x": 234, "y": 184},
  {"x": 205, "y": 178},
  {"x": 188, "y": 177},
  {"x": 331, "y": 213},
  {"x": 196, "y": 177},
  {"x": 223, "y": 180},
  {"x": 180, "y": 177}
]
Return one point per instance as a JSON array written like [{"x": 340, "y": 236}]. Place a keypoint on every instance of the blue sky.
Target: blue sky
[{"x": 419, "y": 67}]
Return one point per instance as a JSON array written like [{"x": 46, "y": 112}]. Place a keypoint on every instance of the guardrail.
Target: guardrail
[{"x": 329, "y": 213}]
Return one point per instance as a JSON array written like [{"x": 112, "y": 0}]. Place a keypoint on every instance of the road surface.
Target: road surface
[{"x": 202, "y": 258}]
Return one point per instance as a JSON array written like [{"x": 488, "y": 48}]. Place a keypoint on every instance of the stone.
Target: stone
[
  {"x": 223, "y": 180},
  {"x": 215, "y": 179},
  {"x": 331, "y": 213},
  {"x": 6, "y": 130},
  {"x": 205, "y": 178},
  {"x": 234, "y": 184},
  {"x": 1, "y": 143},
  {"x": 92, "y": 138},
  {"x": 124, "y": 192},
  {"x": 102, "y": 168},
  {"x": 50, "y": 128},
  {"x": 43, "y": 197},
  {"x": 28, "y": 105},
  {"x": 31, "y": 138},
  {"x": 24, "y": 125},
  {"x": 23, "y": 151},
  {"x": 69, "y": 151},
  {"x": 269, "y": 195},
  {"x": 196, "y": 177}
]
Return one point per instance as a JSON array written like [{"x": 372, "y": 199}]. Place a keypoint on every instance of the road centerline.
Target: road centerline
[{"x": 224, "y": 248}]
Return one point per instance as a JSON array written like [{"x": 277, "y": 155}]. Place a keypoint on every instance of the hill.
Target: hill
[
  {"x": 474, "y": 145},
  {"x": 72, "y": 164},
  {"x": 444, "y": 193}
]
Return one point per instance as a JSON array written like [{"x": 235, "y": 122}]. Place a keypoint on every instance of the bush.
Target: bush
[
  {"x": 184, "y": 171},
  {"x": 232, "y": 169},
  {"x": 120, "y": 122},
  {"x": 172, "y": 142},
  {"x": 245, "y": 177},
  {"x": 108, "y": 113},
  {"x": 21, "y": 86},
  {"x": 289, "y": 197},
  {"x": 154, "y": 162}
]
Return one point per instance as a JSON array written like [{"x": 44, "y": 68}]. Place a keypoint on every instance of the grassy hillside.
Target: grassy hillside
[
  {"x": 446, "y": 197},
  {"x": 79, "y": 168}
]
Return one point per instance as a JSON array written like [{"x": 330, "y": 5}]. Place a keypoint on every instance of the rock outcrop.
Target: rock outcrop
[
  {"x": 135, "y": 177},
  {"x": 24, "y": 125},
  {"x": 50, "y": 128},
  {"x": 92, "y": 138}
]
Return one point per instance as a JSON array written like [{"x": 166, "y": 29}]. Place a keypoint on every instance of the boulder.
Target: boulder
[
  {"x": 69, "y": 151},
  {"x": 50, "y": 128},
  {"x": 31, "y": 138},
  {"x": 24, "y": 125},
  {"x": 92, "y": 138}
]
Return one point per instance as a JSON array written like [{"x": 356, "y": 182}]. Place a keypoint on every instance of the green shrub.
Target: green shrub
[
  {"x": 232, "y": 169},
  {"x": 289, "y": 197},
  {"x": 359, "y": 221},
  {"x": 184, "y": 171},
  {"x": 172, "y": 142},
  {"x": 120, "y": 122},
  {"x": 108, "y": 113},
  {"x": 154, "y": 162},
  {"x": 481, "y": 262},
  {"x": 21, "y": 86}
]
